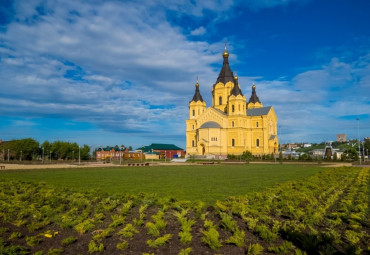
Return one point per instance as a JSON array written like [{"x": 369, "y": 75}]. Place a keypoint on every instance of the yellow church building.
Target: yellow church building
[{"x": 232, "y": 124}]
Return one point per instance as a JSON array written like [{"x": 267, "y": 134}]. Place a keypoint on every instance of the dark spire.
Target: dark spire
[
  {"x": 197, "y": 96},
  {"x": 236, "y": 89},
  {"x": 226, "y": 74},
  {"x": 254, "y": 98}
]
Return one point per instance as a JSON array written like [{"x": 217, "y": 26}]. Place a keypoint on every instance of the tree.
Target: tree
[
  {"x": 351, "y": 153},
  {"x": 335, "y": 156},
  {"x": 85, "y": 152},
  {"x": 281, "y": 156},
  {"x": 247, "y": 156},
  {"x": 130, "y": 148}
]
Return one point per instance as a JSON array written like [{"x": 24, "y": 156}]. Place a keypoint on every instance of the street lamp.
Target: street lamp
[
  {"x": 79, "y": 155},
  {"x": 50, "y": 157},
  {"x": 358, "y": 134},
  {"x": 43, "y": 155},
  {"x": 8, "y": 155},
  {"x": 20, "y": 159}
]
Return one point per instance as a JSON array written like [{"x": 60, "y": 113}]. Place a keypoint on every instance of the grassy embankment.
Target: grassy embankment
[{"x": 205, "y": 183}]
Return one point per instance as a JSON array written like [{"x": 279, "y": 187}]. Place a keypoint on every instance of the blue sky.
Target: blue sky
[{"x": 123, "y": 72}]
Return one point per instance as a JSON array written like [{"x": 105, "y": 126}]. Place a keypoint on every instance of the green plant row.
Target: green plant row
[{"x": 323, "y": 214}]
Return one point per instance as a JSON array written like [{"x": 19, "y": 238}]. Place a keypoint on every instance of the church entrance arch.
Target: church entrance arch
[{"x": 203, "y": 149}]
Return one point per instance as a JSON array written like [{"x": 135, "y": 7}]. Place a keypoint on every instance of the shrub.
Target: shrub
[
  {"x": 128, "y": 231},
  {"x": 265, "y": 233},
  {"x": 185, "y": 251},
  {"x": 32, "y": 240},
  {"x": 228, "y": 223},
  {"x": 126, "y": 207},
  {"x": 104, "y": 234},
  {"x": 237, "y": 238},
  {"x": 282, "y": 249},
  {"x": 254, "y": 249},
  {"x": 117, "y": 220},
  {"x": 185, "y": 237},
  {"x": 55, "y": 251},
  {"x": 251, "y": 223},
  {"x": 160, "y": 241},
  {"x": 152, "y": 229},
  {"x": 69, "y": 240},
  {"x": 122, "y": 246},
  {"x": 94, "y": 248},
  {"x": 15, "y": 235},
  {"x": 84, "y": 226},
  {"x": 211, "y": 238}
]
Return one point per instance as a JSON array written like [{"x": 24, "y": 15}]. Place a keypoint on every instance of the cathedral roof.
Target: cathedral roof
[
  {"x": 210, "y": 124},
  {"x": 254, "y": 98},
  {"x": 258, "y": 111},
  {"x": 226, "y": 74},
  {"x": 236, "y": 89},
  {"x": 197, "y": 96}
]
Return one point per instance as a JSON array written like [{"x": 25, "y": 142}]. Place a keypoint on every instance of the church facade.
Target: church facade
[{"x": 232, "y": 124}]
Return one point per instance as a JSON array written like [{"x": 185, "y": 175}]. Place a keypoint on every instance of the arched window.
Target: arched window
[
  {"x": 239, "y": 107},
  {"x": 198, "y": 111},
  {"x": 220, "y": 100},
  {"x": 192, "y": 143},
  {"x": 232, "y": 142},
  {"x": 232, "y": 123},
  {"x": 258, "y": 143},
  {"x": 232, "y": 108},
  {"x": 257, "y": 124},
  {"x": 193, "y": 113}
]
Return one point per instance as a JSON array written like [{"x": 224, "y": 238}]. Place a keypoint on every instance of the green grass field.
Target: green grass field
[{"x": 205, "y": 183}]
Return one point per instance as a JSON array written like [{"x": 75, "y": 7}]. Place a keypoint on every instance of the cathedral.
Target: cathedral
[{"x": 232, "y": 124}]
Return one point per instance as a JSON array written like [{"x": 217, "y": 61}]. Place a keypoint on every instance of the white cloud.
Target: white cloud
[{"x": 198, "y": 31}]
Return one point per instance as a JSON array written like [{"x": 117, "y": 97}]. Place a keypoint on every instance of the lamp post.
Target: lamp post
[
  {"x": 120, "y": 156},
  {"x": 358, "y": 134},
  {"x": 165, "y": 156},
  {"x": 20, "y": 159},
  {"x": 8, "y": 155},
  {"x": 152, "y": 156},
  {"x": 73, "y": 155},
  {"x": 43, "y": 155},
  {"x": 79, "y": 155},
  {"x": 50, "y": 157}
]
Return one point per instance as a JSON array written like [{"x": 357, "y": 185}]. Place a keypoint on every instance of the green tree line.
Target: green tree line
[{"x": 30, "y": 149}]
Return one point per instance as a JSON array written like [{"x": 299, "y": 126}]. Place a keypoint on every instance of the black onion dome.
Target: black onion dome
[
  {"x": 197, "y": 96},
  {"x": 254, "y": 98},
  {"x": 226, "y": 74},
  {"x": 236, "y": 89}
]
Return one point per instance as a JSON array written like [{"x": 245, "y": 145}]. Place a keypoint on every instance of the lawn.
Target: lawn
[{"x": 205, "y": 183}]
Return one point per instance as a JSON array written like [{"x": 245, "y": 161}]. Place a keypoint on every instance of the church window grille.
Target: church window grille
[
  {"x": 192, "y": 143},
  {"x": 232, "y": 123},
  {"x": 232, "y": 142},
  {"x": 232, "y": 108},
  {"x": 220, "y": 100},
  {"x": 257, "y": 142},
  {"x": 193, "y": 113},
  {"x": 257, "y": 124}
]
